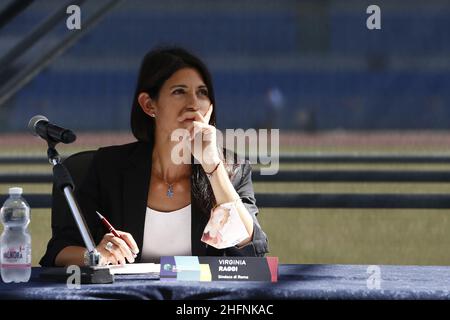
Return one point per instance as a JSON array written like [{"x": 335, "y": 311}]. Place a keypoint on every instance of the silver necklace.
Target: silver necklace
[{"x": 169, "y": 192}]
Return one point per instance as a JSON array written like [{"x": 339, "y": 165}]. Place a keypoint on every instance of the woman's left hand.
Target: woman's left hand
[{"x": 203, "y": 138}]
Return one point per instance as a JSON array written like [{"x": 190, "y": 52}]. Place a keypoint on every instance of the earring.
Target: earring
[{"x": 153, "y": 115}]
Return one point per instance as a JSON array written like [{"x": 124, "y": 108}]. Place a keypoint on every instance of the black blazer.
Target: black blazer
[{"x": 117, "y": 185}]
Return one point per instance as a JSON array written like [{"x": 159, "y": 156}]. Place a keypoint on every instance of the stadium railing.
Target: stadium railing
[{"x": 305, "y": 200}]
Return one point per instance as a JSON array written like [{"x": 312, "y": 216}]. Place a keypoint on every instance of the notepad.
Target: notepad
[{"x": 133, "y": 268}]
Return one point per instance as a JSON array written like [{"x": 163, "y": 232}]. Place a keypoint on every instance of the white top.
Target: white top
[{"x": 167, "y": 234}]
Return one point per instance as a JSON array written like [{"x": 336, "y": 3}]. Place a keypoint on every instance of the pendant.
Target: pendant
[{"x": 170, "y": 191}]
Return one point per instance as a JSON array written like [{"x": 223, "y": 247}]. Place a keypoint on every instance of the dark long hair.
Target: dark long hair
[{"x": 157, "y": 66}]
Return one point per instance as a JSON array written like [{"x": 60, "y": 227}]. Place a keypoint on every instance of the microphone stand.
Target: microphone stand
[{"x": 64, "y": 183}]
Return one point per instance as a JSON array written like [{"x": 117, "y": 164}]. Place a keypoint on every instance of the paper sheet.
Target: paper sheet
[
  {"x": 133, "y": 268},
  {"x": 224, "y": 228}
]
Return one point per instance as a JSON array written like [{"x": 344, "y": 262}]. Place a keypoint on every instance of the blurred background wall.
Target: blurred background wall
[{"x": 291, "y": 64}]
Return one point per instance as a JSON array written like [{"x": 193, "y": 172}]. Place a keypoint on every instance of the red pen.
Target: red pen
[{"x": 112, "y": 230}]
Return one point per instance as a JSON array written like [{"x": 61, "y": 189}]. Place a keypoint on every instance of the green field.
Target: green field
[{"x": 335, "y": 236}]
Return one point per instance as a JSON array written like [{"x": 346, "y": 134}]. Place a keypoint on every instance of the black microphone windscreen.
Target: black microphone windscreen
[{"x": 68, "y": 137}]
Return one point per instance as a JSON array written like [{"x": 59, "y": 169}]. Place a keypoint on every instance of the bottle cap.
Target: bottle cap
[{"x": 15, "y": 190}]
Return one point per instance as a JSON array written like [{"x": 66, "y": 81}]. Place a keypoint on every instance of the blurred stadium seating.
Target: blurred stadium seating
[{"x": 394, "y": 78}]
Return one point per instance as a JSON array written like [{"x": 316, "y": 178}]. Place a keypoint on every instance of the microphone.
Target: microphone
[{"x": 39, "y": 125}]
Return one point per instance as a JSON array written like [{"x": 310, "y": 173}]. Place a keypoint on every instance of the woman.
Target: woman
[{"x": 162, "y": 206}]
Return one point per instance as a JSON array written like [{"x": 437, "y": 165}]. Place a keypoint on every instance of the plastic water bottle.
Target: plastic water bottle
[{"x": 15, "y": 241}]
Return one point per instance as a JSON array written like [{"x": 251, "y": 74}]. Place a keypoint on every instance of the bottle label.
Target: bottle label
[
  {"x": 15, "y": 266},
  {"x": 16, "y": 257}
]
